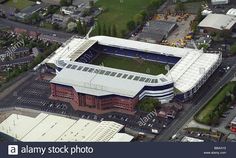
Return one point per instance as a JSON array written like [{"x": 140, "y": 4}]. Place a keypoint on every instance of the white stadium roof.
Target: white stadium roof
[
  {"x": 231, "y": 12},
  {"x": 99, "y": 80},
  {"x": 141, "y": 46},
  {"x": 191, "y": 69},
  {"x": 71, "y": 50},
  {"x": 218, "y": 21},
  {"x": 53, "y": 128}
]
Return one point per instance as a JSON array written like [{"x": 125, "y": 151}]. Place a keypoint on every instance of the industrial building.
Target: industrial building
[
  {"x": 100, "y": 89},
  {"x": 156, "y": 30},
  {"x": 219, "y": 2},
  {"x": 51, "y": 128},
  {"x": 217, "y": 23}
]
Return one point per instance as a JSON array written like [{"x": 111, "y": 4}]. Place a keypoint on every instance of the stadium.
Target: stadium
[{"x": 97, "y": 87}]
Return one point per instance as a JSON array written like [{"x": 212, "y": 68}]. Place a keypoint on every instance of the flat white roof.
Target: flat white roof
[
  {"x": 191, "y": 139},
  {"x": 100, "y": 80},
  {"x": 231, "y": 12},
  {"x": 218, "y": 21},
  {"x": 187, "y": 73},
  {"x": 46, "y": 127},
  {"x": 121, "y": 137}
]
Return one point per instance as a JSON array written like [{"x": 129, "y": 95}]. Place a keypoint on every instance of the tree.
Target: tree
[
  {"x": 109, "y": 30},
  {"x": 233, "y": 49},
  {"x": 91, "y": 4},
  {"x": 79, "y": 27},
  {"x": 131, "y": 25},
  {"x": 144, "y": 15},
  {"x": 138, "y": 18},
  {"x": 65, "y": 2},
  {"x": 180, "y": 7},
  {"x": 55, "y": 26},
  {"x": 71, "y": 26},
  {"x": 114, "y": 31},
  {"x": 148, "y": 104},
  {"x": 99, "y": 29},
  {"x": 104, "y": 29}
]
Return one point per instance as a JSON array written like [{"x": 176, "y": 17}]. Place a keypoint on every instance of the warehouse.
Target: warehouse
[
  {"x": 156, "y": 30},
  {"x": 219, "y": 2},
  {"x": 51, "y": 128},
  {"x": 217, "y": 23}
]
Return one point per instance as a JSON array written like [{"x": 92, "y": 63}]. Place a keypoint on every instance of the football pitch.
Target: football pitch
[{"x": 130, "y": 64}]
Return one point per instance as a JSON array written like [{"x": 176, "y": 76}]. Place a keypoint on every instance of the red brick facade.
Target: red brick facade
[{"x": 78, "y": 100}]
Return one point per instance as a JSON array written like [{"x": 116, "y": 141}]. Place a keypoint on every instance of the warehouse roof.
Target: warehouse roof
[
  {"x": 47, "y": 127},
  {"x": 100, "y": 80},
  {"x": 218, "y": 21},
  {"x": 187, "y": 73},
  {"x": 231, "y": 12}
]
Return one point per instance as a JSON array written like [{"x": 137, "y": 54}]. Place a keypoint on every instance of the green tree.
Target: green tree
[
  {"x": 138, "y": 18},
  {"x": 114, "y": 31},
  {"x": 65, "y": 2},
  {"x": 148, "y": 104},
  {"x": 131, "y": 25},
  {"x": 99, "y": 29},
  {"x": 104, "y": 29},
  {"x": 91, "y": 4},
  {"x": 79, "y": 27},
  {"x": 233, "y": 51},
  {"x": 55, "y": 26},
  {"x": 179, "y": 6},
  {"x": 109, "y": 30}
]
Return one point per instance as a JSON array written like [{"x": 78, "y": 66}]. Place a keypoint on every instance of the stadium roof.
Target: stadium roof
[
  {"x": 47, "y": 127},
  {"x": 231, "y": 12},
  {"x": 218, "y": 21},
  {"x": 75, "y": 47},
  {"x": 99, "y": 80},
  {"x": 187, "y": 73},
  {"x": 71, "y": 50},
  {"x": 141, "y": 46}
]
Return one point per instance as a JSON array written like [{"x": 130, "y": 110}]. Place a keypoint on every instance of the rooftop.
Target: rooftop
[
  {"x": 46, "y": 127},
  {"x": 231, "y": 12},
  {"x": 212, "y": 21},
  {"x": 191, "y": 69}
]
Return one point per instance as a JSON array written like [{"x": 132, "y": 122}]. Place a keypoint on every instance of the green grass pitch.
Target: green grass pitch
[{"x": 130, "y": 64}]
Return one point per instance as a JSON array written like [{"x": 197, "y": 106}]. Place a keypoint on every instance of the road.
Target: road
[
  {"x": 184, "y": 118},
  {"x": 44, "y": 31}
]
